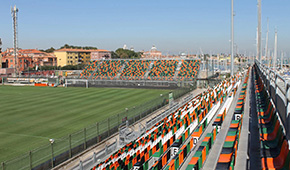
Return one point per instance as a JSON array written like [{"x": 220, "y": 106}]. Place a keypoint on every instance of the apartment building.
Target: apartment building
[{"x": 72, "y": 56}]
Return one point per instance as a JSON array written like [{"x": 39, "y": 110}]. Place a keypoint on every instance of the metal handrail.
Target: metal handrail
[{"x": 279, "y": 90}]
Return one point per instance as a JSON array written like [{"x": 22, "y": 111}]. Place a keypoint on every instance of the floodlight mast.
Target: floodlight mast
[
  {"x": 14, "y": 11},
  {"x": 232, "y": 39}
]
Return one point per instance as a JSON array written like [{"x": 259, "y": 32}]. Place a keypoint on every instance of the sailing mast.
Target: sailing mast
[
  {"x": 275, "y": 50},
  {"x": 266, "y": 48}
]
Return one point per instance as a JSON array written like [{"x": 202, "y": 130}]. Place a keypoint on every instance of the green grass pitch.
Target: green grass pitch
[{"x": 30, "y": 116}]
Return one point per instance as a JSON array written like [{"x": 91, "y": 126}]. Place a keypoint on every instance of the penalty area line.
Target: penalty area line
[{"x": 15, "y": 134}]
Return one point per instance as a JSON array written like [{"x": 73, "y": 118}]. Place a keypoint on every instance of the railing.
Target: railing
[
  {"x": 130, "y": 83},
  {"x": 279, "y": 91}
]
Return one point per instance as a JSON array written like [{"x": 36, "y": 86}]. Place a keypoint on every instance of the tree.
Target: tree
[
  {"x": 124, "y": 53},
  {"x": 65, "y": 46},
  {"x": 50, "y": 50},
  {"x": 74, "y": 67},
  {"x": 78, "y": 47},
  {"x": 114, "y": 55}
]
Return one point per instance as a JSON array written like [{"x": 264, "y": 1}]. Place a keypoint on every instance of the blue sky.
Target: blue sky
[{"x": 173, "y": 26}]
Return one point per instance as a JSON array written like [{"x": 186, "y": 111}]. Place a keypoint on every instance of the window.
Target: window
[
  {"x": 11, "y": 60},
  {"x": 20, "y": 61},
  {"x": 11, "y": 66}
]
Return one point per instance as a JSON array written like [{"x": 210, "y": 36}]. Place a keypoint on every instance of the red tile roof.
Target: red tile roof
[
  {"x": 29, "y": 51},
  {"x": 78, "y": 50}
]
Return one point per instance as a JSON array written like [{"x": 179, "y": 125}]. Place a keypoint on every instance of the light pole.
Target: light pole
[
  {"x": 259, "y": 38},
  {"x": 232, "y": 39},
  {"x": 14, "y": 12}
]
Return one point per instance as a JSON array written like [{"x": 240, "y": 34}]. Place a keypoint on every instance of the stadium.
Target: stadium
[
  {"x": 143, "y": 114},
  {"x": 90, "y": 108},
  {"x": 86, "y": 112}
]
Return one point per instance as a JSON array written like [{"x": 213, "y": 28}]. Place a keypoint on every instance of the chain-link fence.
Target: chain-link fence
[
  {"x": 130, "y": 83},
  {"x": 61, "y": 150}
]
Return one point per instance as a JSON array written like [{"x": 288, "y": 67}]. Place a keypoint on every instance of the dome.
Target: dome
[{"x": 153, "y": 48}]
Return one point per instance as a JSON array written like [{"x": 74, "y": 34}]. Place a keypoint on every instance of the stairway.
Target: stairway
[
  {"x": 101, "y": 61},
  {"x": 177, "y": 70},
  {"x": 121, "y": 70},
  {"x": 148, "y": 70}
]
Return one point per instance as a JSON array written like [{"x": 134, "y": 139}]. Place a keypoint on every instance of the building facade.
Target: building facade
[
  {"x": 100, "y": 54},
  {"x": 72, "y": 56},
  {"x": 27, "y": 58},
  {"x": 24, "y": 62},
  {"x": 152, "y": 54},
  {"x": 40, "y": 58},
  {"x": 0, "y": 59}
]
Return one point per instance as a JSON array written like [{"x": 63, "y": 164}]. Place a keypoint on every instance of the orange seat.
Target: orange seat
[
  {"x": 225, "y": 158},
  {"x": 273, "y": 135},
  {"x": 231, "y": 138},
  {"x": 279, "y": 161}
]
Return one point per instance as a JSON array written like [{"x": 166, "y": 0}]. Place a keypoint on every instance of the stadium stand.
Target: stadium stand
[
  {"x": 108, "y": 69},
  {"x": 274, "y": 145},
  {"x": 200, "y": 155},
  {"x": 163, "y": 70},
  {"x": 169, "y": 142},
  {"x": 228, "y": 154},
  {"x": 188, "y": 70},
  {"x": 135, "y": 70},
  {"x": 89, "y": 69}
]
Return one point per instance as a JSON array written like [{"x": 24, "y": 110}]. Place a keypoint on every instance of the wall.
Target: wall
[{"x": 61, "y": 58}]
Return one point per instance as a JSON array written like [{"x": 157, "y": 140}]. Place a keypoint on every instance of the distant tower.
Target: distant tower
[
  {"x": 14, "y": 11},
  {"x": 132, "y": 48},
  {"x": 125, "y": 47}
]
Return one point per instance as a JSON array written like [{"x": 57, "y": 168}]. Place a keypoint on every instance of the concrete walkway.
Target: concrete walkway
[
  {"x": 74, "y": 162},
  {"x": 242, "y": 159},
  {"x": 215, "y": 151},
  {"x": 254, "y": 146}
]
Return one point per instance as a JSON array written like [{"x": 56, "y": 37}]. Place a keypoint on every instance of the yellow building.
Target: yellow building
[{"x": 72, "y": 56}]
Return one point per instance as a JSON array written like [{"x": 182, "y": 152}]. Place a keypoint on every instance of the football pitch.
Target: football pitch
[{"x": 30, "y": 116}]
